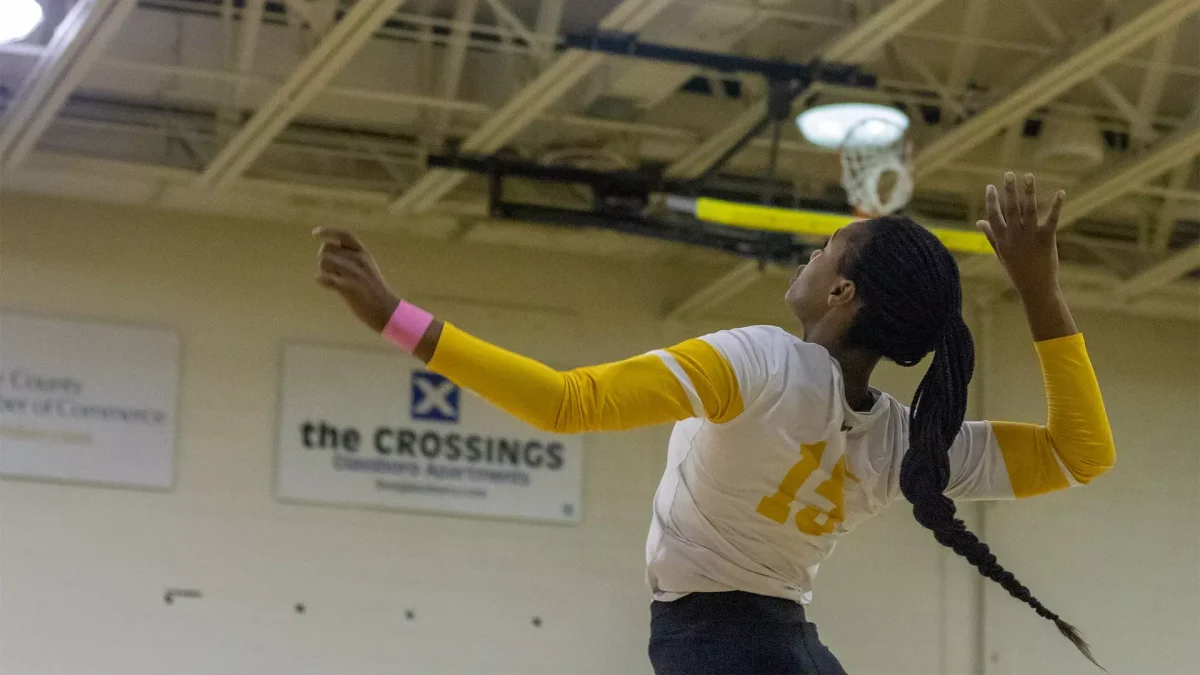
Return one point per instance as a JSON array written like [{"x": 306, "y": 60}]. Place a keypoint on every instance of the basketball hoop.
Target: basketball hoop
[{"x": 877, "y": 177}]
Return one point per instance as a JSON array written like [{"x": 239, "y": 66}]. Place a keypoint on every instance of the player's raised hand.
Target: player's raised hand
[
  {"x": 345, "y": 265},
  {"x": 1026, "y": 246}
]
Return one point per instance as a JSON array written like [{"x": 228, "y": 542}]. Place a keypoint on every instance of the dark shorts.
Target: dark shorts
[{"x": 735, "y": 632}]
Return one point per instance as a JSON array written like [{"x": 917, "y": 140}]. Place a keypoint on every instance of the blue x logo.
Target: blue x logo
[{"x": 434, "y": 398}]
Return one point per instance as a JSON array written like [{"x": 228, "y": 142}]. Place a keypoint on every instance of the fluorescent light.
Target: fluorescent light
[
  {"x": 18, "y": 18},
  {"x": 873, "y": 125}
]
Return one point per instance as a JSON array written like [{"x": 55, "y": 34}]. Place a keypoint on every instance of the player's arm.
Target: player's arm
[
  {"x": 1002, "y": 460},
  {"x": 1075, "y": 445},
  {"x": 692, "y": 379}
]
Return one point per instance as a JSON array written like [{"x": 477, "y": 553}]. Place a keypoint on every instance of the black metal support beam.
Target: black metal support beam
[
  {"x": 627, "y": 44},
  {"x": 766, "y": 247},
  {"x": 695, "y": 183},
  {"x": 644, "y": 182},
  {"x": 620, "y": 196},
  {"x": 785, "y": 81}
]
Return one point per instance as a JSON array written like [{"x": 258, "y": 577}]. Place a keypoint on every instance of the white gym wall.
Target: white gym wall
[
  {"x": 83, "y": 569},
  {"x": 1121, "y": 559}
]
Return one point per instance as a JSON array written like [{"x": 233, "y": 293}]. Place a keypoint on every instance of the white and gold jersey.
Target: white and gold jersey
[
  {"x": 755, "y": 503},
  {"x": 768, "y": 465}
]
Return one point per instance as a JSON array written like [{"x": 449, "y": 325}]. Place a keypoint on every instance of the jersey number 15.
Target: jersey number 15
[{"x": 810, "y": 519}]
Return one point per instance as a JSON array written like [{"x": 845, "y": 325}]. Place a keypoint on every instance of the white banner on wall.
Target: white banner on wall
[
  {"x": 373, "y": 428},
  {"x": 87, "y": 402}
]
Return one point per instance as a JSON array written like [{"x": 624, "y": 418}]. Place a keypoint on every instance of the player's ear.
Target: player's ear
[{"x": 842, "y": 293}]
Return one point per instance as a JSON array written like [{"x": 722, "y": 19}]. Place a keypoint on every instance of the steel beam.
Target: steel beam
[
  {"x": 251, "y": 23},
  {"x": 857, "y": 45},
  {"x": 505, "y": 16},
  {"x": 1054, "y": 81},
  {"x": 1152, "y": 85},
  {"x": 966, "y": 54},
  {"x": 318, "y": 68},
  {"x": 549, "y": 18},
  {"x": 922, "y": 70},
  {"x": 77, "y": 43},
  {"x": 1162, "y": 274},
  {"x": 1104, "y": 85},
  {"x": 453, "y": 62},
  {"x": 1172, "y": 205},
  {"x": 526, "y": 105},
  {"x": 1123, "y": 178}
]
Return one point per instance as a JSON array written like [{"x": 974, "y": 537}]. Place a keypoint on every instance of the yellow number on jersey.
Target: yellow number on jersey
[{"x": 810, "y": 519}]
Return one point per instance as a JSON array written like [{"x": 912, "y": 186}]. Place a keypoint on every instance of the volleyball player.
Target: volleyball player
[{"x": 780, "y": 446}]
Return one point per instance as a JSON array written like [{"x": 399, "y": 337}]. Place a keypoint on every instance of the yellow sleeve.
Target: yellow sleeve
[
  {"x": 1077, "y": 437},
  {"x": 689, "y": 380}
]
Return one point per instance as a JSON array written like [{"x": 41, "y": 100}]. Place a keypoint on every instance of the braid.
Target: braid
[{"x": 911, "y": 305}]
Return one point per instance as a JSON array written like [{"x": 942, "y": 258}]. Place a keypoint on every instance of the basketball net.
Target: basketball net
[{"x": 878, "y": 178}]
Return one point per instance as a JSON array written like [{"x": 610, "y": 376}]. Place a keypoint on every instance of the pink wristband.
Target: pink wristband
[{"x": 407, "y": 326}]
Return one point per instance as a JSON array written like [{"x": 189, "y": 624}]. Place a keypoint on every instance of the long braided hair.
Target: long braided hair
[{"x": 911, "y": 298}]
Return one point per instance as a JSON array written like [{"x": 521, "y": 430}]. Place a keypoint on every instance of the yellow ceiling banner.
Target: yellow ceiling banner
[{"x": 816, "y": 223}]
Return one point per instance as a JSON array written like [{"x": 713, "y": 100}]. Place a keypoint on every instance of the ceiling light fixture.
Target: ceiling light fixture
[
  {"x": 18, "y": 18},
  {"x": 873, "y": 125}
]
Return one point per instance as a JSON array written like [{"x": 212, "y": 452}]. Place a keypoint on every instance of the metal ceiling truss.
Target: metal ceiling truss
[
  {"x": 1103, "y": 84},
  {"x": 947, "y": 98},
  {"x": 1168, "y": 153},
  {"x": 628, "y": 45},
  {"x": 966, "y": 54},
  {"x": 526, "y": 105},
  {"x": 1124, "y": 178},
  {"x": 890, "y": 89},
  {"x": 1153, "y": 85},
  {"x": 1052, "y": 82},
  {"x": 954, "y": 39},
  {"x": 1161, "y": 274},
  {"x": 785, "y": 81},
  {"x": 74, "y": 47},
  {"x": 451, "y": 72},
  {"x": 332, "y": 54},
  {"x": 620, "y": 200},
  {"x": 247, "y": 44},
  {"x": 359, "y": 95},
  {"x": 1086, "y": 63},
  {"x": 506, "y": 17},
  {"x": 365, "y": 96},
  {"x": 80, "y": 40},
  {"x": 856, "y": 45},
  {"x": 1168, "y": 214}
]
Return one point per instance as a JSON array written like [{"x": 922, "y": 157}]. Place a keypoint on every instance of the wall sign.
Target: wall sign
[
  {"x": 371, "y": 428},
  {"x": 87, "y": 402}
]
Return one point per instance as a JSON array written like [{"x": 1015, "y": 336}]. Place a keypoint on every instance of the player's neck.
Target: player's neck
[{"x": 857, "y": 365}]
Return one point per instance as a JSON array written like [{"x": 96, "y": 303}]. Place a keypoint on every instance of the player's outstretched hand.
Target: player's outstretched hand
[
  {"x": 344, "y": 265},
  {"x": 1026, "y": 246}
]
